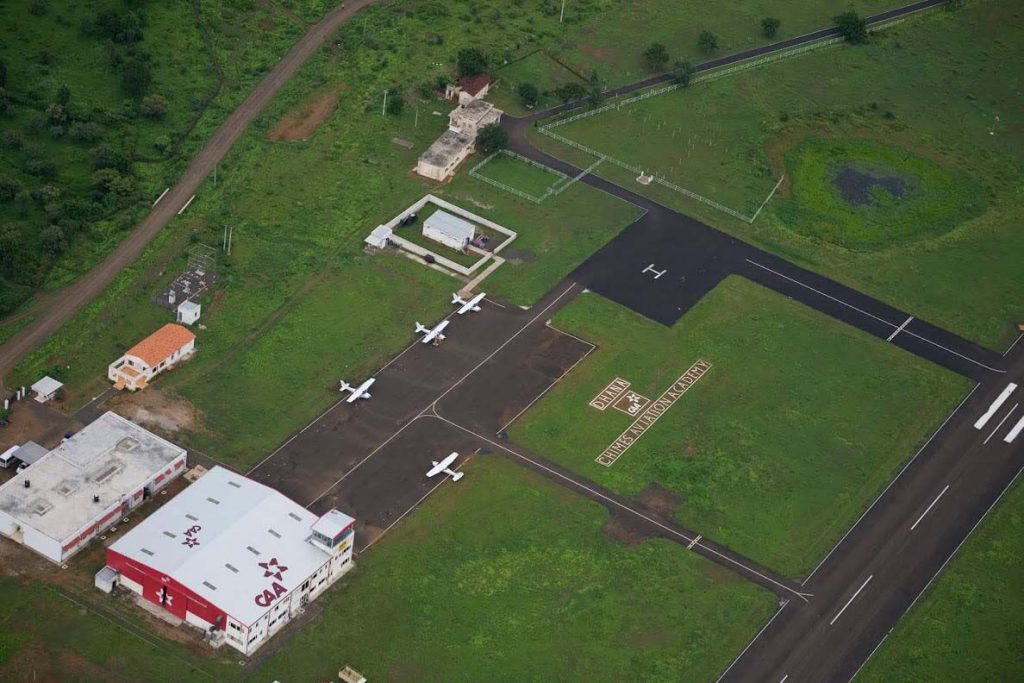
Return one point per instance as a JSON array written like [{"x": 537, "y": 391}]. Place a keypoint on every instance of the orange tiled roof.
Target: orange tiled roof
[
  {"x": 474, "y": 84},
  {"x": 161, "y": 344}
]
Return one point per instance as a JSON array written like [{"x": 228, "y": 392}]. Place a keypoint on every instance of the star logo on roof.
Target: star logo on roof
[
  {"x": 272, "y": 568},
  {"x": 190, "y": 542}
]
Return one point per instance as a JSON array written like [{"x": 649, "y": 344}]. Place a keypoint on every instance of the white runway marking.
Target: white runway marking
[
  {"x": 1015, "y": 431},
  {"x": 875, "y": 317},
  {"x": 783, "y": 679},
  {"x": 406, "y": 513},
  {"x": 753, "y": 640},
  {"x": 899, "y": 329},
  {"x": 852, "y": 598},
  {"x": 996, "y": 405},
  {"x": 549, "y": 387},
  {"x": 650, "y": 269},
  {"x": 1010, "y": 348},
  {"x": 929, "y": 508},
  {"x": 889, "y": 485},
  {"x": 999, "y": 426},
  {"x": 694, "y": 542}
]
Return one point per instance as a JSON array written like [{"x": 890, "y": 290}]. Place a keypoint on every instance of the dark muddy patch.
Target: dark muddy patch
[{"x": 862, "y": 188}]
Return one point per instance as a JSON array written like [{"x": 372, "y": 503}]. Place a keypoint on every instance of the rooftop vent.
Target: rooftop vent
[
  {"x": 28, "y": 483},
  {"x": 209, "y": 585},
  {"x": 273, "y": 533},
  {"x": 192, "y": 517},
  {"x": 295, "y": 516},
  {"x": 127, "y": 444},
  {"x": 146, "y": 551},
  {"x": 235, "y": 484},
  {"x": 252, "y": 550},
  {"x": 168, "y": 534},
  {"x": 213, "y": 500},
  {"x": 95, "y": 499},
  {"x": 231, "y": 567}
]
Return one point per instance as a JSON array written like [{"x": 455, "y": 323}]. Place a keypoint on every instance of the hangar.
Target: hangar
[
  {"x": 85, "y": 485},
  {"x": 232, "y": 557}
]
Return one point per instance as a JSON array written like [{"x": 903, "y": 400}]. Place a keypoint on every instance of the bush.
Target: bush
[
  {"x": 12, "y": 140},
  {"x": 85, "y": 131},
  {"x": 656, "y": 56},
  {"x": 9, "y": 188},
  {"x": 136, "y": 77},
  {"x": 162, "y": 144},
  {"x": 42, "y": 168},
  {"x": 683, "y": 72},
  {"x": 471, "y": 61},
  {"x": 153, "y": 106},
  {"x": 707, "y": 41},
  {"x": 567, "y": 92},
  {"x": 528, "y": 94},
  {"x": 56, "y": 114},
  {"x": 852, "y": 27},
  {"x": 105, "y": 156},
  {"x": 63, "y": 95},
  {"x": 52, "y": 239},
  {"x": 770, "y": 26},
  {"x": 492, "y": 138},
  {"x": 395, "y": 104},
  {"x": 5, "y": 101}
]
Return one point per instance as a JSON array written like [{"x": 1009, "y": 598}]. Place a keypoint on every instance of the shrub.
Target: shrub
[
  {"x": 770, "y": 26},
  {"x": 42, "y": 168},
  {"x": 528, "y": 94},
  {"x": 11, "y": 139},
  {"x": 395, "y": 104},
  {"x": 9, "y": 188},
  {"x": 707, "y": 41},
  {"x": 852, "y": 27},
  {"x": 492, "y": 138},
  {"x": 683, "y": 72},
  {"x": 52, "y": 239},
  {"x": 136, "y": 76},
  {"x": 656, "y": 56},
  {"x": 567, "y": 92},
  {"x": 85, "y": 131},
  {"x": 153, "y": 106}
]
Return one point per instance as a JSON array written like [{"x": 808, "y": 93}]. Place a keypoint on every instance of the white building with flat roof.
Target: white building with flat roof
[
  {"x": 232, "y": 557},
  {"x": 449, "y": 230},
  {"x": 86, "y": 484}
]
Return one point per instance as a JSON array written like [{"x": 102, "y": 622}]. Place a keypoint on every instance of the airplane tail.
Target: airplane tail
[
  {"x": 421, "y": 329},
  {"x": 456, "y": 299},
  {"x": 345, "y": 386},
  {"x": 457, "y": 475}
]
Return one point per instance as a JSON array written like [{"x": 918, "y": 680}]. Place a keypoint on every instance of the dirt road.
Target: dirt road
[{"x": 56, "y": 310}]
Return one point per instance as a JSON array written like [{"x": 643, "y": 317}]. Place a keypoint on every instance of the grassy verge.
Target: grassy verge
[
  {"x": 774, "y": 452},
  {"x": 968, "y": 626},
  {"x": 520, "y": 175},
  {"x": 555, "y": 599},
  {"x": 930, "y": 86}
]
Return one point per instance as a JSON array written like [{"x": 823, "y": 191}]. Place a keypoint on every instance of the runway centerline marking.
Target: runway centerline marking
[
  {"x": 1012, "y": 434},
  {"x": 929, "y": 508},
  {"x": 995, "y": 406},
  {"x": 612, "y": 501},
  {"x": 783, "y": 679},
  {"x": 875, "y": 317},
  {"x": 899, "y": 329},
  {"x": 852, "y": 598},
  {"x": 1000, "y": 425}
]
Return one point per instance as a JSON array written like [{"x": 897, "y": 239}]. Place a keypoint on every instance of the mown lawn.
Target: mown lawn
[
  {"x": 520, "y": 175},
  {"x": 968, "y": 627},
  {"x": 506, "y": 577},
  {"x": 933, "y": 86},
  {"x": 776, "y": 450}
]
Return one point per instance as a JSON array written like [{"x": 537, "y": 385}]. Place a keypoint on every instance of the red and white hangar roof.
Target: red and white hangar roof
[{"x": 227, "y": 538}]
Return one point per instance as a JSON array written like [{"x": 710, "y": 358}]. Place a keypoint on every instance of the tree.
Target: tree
[
  {"x": 153, "y": 106},
  {"x": 10, "y": 239},
  {"x": 656, "y": 56},
  {"x": 683, "y": 72},
  {"x": 492, "y": 138},
  {"x": 395, "y": 104},
  {"x": 528, "y": 95},
  {"x": 63, "y": 95},
  {"x": 52, "y": 239},
  {"x": 471, "y": 61},
  {"x": 770, "y": 26},
  {"x": 9, "y": 188},
  {"x": 852, "y": 27},
  {"x": 707, "y": 41},
  {"x": 573, "y": 90},
  {"x": 56, "y": 114},
  {"x": 136, "y": 77}
]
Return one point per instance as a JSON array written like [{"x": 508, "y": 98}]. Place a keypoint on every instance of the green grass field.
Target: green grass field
[
  {"x": 506, "y": 577},
  {"x": 775, "y": 451},
  {"x": 968, "y": 626},
  {"x": 930, "y": 85},
  {"x": 520, "y": 175}
]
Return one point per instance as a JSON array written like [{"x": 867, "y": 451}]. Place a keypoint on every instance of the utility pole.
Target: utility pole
[{"x": 562, "y": 15}]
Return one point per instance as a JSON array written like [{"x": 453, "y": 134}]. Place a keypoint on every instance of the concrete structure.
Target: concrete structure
[
  {"x": 160, "y": 351},
  {"x": 469, "y": 118},
  {"x": 468, "y": 88},
  {"x": 449, "y": 230},
  {"x": 46, "y": 389},
  {"x": 378, "y": 237},
  {"x": 189, "y": 312},
  {"x": 441, "y": 159},
  {"x": 444, "y": 155},
  {"x": 85, "y": 485},
  {"x": 29, "y": 453},
  {"x": 232, "y": 557}
]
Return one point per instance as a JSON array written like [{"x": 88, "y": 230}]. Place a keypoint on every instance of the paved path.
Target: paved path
[{"x": 57, "y": 309}]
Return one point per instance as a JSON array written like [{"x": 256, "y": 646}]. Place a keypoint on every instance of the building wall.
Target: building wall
[{"x": 30, "y": 538}]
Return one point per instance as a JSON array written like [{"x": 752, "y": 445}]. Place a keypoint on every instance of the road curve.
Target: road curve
[{"x": 61, "y": 306}]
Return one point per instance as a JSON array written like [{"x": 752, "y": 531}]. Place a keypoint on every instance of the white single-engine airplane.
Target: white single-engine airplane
[
  {"x": 432, "y": 333},
  {"x": 467, "y": 306},
  {"x": 356, "y": 393},
  {"x": 445, "y": 466}
]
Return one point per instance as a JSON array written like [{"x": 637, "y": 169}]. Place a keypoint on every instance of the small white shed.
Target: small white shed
[
  {"x": 449, "y": 230},
  {"x": 188, "y": 312},
  {"x": 46, "y": 389},
  {"x": 378, "y": 238}
]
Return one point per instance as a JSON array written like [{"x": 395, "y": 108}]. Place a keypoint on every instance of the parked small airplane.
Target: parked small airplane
[
  {"x": 356, "y": 393},
  {"x": 467, "y": 306},
  {"x": 445, "y": 466},
  {"x": 432, "y": 333}
]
